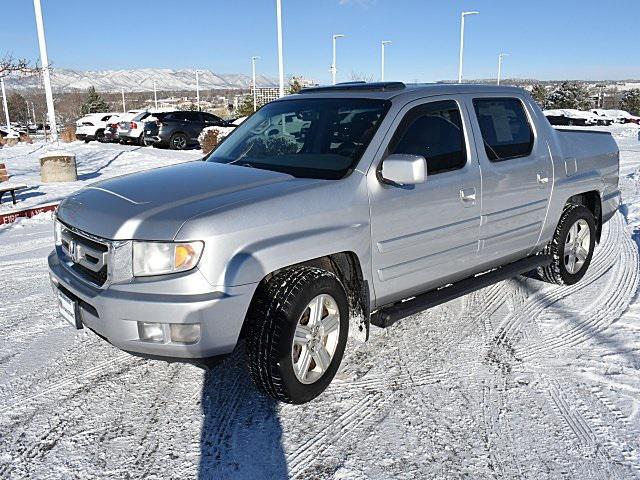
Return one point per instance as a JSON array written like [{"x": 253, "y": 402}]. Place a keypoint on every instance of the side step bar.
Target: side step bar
[{"x": 390, "y": 314}]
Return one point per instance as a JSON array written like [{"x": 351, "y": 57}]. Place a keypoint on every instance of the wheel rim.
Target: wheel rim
[
  {"x": 315, "y": 339},
  {"x": 179, "y": 142},
  {"x": 577, "y": 245}
]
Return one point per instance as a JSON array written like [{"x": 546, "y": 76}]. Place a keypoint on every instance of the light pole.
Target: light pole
[
  {"x": 255, "y": 93},
  {"x": 500, "y": 57},
  {"x": 334, "y": 69},
  {"x": 382, "y": 44},
  {"x": 45, "y": 70},
  {"x": 198, "y": 72},
  {"x": 155, "y": 95},
  {"x": 4, "y": 103},
  {"x": 124, "y": 107},
  {"x": 280, "y": 59},
  {"x": 464, "y": 14}
]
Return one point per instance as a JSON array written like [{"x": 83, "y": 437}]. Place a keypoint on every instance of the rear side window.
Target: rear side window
[
  {"x": 433, "y": 130},
  {"x": 505, "y": 128},
  {"x": 192, "y": 116}
]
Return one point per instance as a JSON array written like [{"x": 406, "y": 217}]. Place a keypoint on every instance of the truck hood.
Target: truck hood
[{"x": 153, "y": 205}]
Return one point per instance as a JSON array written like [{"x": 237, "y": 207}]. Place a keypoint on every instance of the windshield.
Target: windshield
[{"x": 312, "y": 138}]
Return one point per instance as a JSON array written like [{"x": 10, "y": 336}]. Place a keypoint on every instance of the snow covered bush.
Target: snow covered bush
[
  {"x": 631, "y": 101},
  {"x": 210, "y": 137},
  {"x": 68, "y": 134}
]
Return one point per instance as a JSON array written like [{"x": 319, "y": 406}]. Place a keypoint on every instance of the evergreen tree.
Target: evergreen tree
[
  {"x": 246, "y": 107},
  {"x": 540, "y": 95},
  {"x": 295, "y": 85},
  {"x": 94, "y": 103},
  {"x": 570, "y": 95},
  {"x": 631, "y": 101}
]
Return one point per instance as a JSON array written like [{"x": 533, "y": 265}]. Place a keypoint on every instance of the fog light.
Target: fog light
[
  {"x": 185, "y": 332},
  {"x": 150, "y": 332}
]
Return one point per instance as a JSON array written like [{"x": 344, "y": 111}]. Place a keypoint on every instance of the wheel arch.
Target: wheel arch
[
  {"x": 593, "y": 201},
  {"x": 347, "y": 267}
]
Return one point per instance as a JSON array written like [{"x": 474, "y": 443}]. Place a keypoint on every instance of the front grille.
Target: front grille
[{"x": 86, "y": 255}]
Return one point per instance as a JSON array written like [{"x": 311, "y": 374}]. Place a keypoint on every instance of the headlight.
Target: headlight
[
  {"x": 156, "y": 258},
  {"x": 57, "y": 232}
]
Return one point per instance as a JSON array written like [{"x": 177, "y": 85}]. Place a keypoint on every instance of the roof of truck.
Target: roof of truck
[{"x": 388, "y": 90}]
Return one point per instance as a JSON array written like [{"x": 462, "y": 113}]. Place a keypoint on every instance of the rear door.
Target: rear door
[
  {"x": 425, "y": 235},
  {"x": 516, "y": 176},
  {"x": 194, "y": 125}
]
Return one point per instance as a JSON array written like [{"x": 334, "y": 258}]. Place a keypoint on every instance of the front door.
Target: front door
[
  {"x": 516, "y": 177},
  {"x": 424, "y": 234}
]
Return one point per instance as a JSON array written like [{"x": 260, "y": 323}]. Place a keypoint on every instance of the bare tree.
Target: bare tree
[
  {"x": 362, "y": 77},
  {"x": 21, "y": 66}
]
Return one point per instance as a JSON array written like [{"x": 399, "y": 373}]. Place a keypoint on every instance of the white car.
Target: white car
[
  {"x": 91, "y": 127},
  {"x": 131, "y": 127}
]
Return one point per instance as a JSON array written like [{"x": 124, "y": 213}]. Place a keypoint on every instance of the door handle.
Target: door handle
[
  {"x": 468, "y": 195},
  {"x": 542, "y": 180}
]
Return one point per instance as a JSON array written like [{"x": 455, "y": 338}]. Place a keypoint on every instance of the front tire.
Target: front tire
[
  {"x": 571, "y": 247},
  {"x": 178, "y": 141},
  {"x": 298, "y": 326}
]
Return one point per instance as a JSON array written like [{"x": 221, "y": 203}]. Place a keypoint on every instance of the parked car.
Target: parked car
[
  {"x": 92, "y": 126},
  {"x": 111, "y": 131},
  {"x": 389, "y": 200},
  {"x": 131, "y": 127},
  {"x": 179, "y": 130}
]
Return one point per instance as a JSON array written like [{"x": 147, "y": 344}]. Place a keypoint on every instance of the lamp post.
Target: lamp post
[
  {"x": 155, "y": 95},
  {"x": 382, "y": 44},
  {"x": 44, "y": 59},
  {"x": 280, "y": 58},
  {"x": 4, "y": 104},
  {"x": 334, "y": 69},
  {"x": 255, "y": 93},
  {"x": 500, "y": 57},
  {"x": 198, "y": 88},
  {"x": 124, "y": 107},
  {"x": 464, "y": 14}
]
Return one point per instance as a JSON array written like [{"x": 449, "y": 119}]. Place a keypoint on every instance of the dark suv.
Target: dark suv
[{"x": 178, "y": 130}]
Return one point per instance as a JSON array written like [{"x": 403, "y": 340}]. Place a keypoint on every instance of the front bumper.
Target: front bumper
[{"x": 113, "y": 312}]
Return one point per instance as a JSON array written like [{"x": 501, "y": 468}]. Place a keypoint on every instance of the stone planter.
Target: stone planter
[{"x": 58, "y": 167}]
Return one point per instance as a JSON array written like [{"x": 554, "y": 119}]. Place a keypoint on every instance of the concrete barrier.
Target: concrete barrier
[{"x": 58, "y": 167}]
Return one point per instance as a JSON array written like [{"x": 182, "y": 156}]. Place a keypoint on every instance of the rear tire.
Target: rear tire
[
  {"x": 285, "y": 336},
  {"x": 571, "y": 246},
  {"x": 178, "y": 141},
  {"x": 141, "y": 141}
]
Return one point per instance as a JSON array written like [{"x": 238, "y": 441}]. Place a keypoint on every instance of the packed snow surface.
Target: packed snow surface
[{"x": 518, "y": 380}]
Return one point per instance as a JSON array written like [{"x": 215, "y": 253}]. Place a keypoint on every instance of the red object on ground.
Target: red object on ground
[{"x": 10, "y": 217}]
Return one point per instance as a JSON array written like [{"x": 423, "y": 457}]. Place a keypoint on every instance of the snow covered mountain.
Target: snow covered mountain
[{"x": 140, "y": 80}]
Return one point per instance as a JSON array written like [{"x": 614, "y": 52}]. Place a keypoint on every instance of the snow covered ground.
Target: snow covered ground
[
  {"x": 519, "y": 380},
  {"x": 95, "y": 161}
]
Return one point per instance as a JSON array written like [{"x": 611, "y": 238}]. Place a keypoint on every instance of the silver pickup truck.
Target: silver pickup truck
[{"x": 327, "y": 212}]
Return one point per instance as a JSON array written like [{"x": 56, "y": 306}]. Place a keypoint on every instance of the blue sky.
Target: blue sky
[{"x": 587, "y": 39}]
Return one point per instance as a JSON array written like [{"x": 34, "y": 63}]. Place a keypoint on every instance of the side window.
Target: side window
[
  {"x": 209, "y": 118},
  {"x": 505, "y": 128},
  {"x": 193, "y": 116},
  {"x": 433, "y": 130}
]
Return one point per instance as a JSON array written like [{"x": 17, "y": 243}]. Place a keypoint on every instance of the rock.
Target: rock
[{"x": 58, "y": 167}]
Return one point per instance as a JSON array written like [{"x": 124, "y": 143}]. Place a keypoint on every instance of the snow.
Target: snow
[
  {"x": 95, "y": 161},
  {"x": 519, "y": 380}
]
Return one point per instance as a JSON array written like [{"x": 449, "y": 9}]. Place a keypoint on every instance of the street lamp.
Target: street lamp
[
  {"x": 45, "y": 70},
  {"x": 124, "y": 107},
  {"x": 280, "y": 59},
  {"x": 4, "y": 103},
  {"x": 500, "y": 57},
  {"x": 334, "y": 69},
  {"x": 155, "y": 95},
  {"x": 383, "y": 43},
  {"x": 255, "y": 93},
  {"x": 198, "y": 88},
  {"x": 464, "y": 14}
]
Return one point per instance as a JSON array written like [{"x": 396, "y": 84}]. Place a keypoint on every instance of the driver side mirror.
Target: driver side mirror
[{"x": 404, "y": 169}]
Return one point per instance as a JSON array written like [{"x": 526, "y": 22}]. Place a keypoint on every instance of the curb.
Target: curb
[{"x": 10, "y": 217}]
